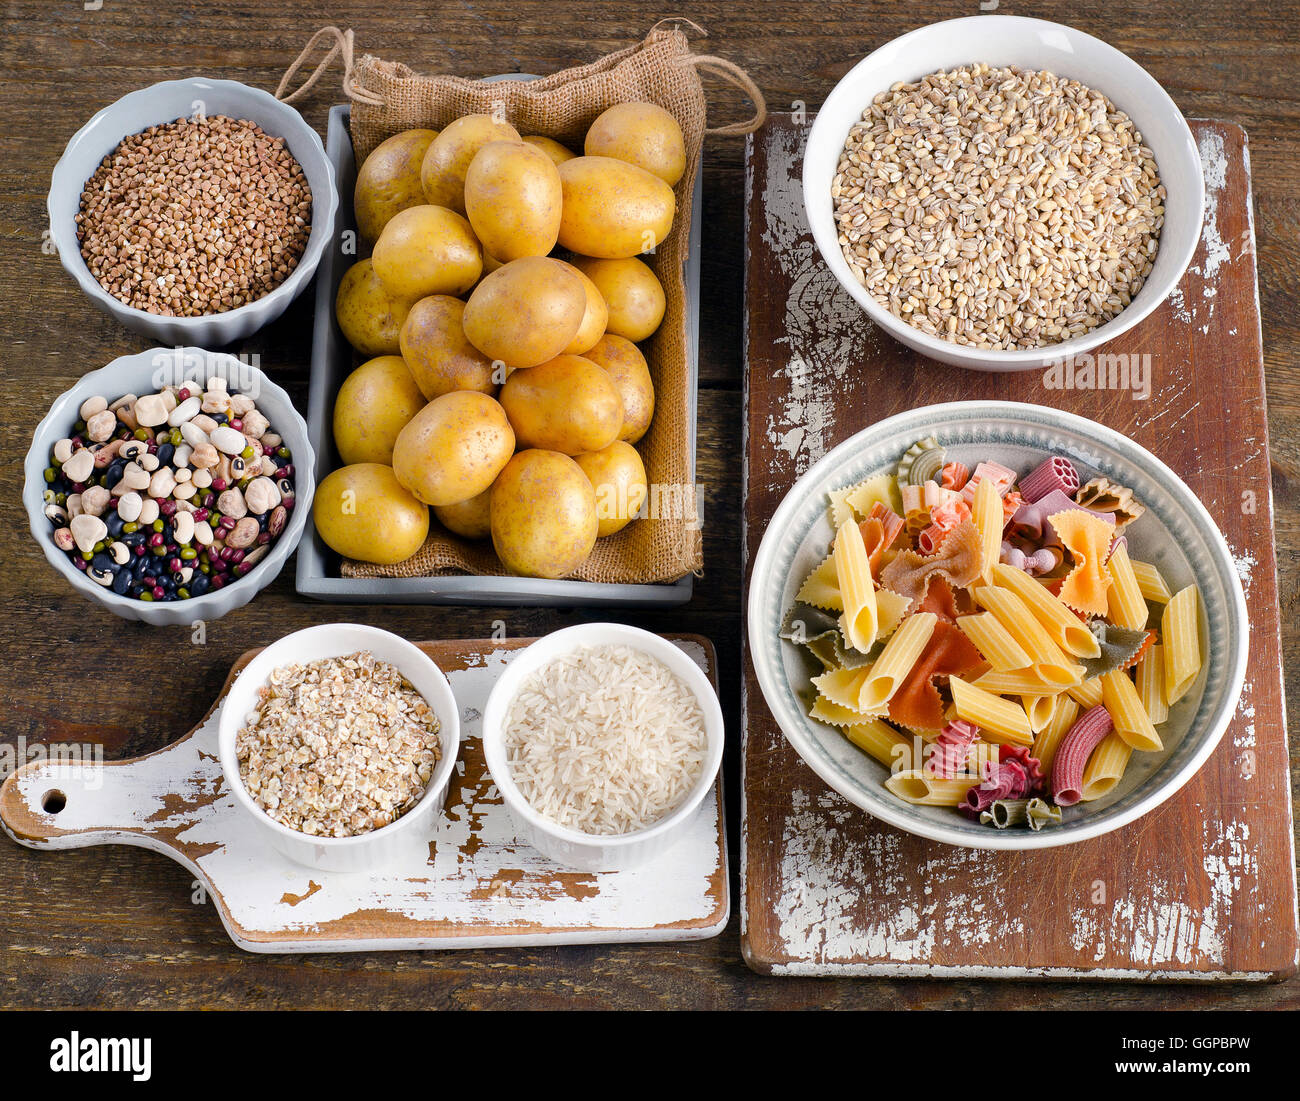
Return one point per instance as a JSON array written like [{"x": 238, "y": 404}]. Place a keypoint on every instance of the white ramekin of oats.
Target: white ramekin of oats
[{"x": 340, "y": 741}]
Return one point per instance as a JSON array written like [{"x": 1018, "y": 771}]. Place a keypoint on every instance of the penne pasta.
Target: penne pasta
[
  {"x": 880, "y": 740},
  {"x": 1105, "y": 767},
  {"x": 994, "y": 642},
  {"x": 1125, "y": 604},
  {"x": 922, "y": 789},
  {"x": 1065, "y": 628},
  {"x": 986, "y": 512},
  {"x": 859, "y": 621},
  {"x": 1150, "y": 583},
  {"x": 1181, "y": 634},
  {"x": 1045, "y": 656},
  {"x": 1064, "y": 717},
  {"x": 896, "y": 660},
  {"x": 1039, "y": 709},
  {"x": 1088, "y": 693},
  {"x": 999, "y": 720},
  {"x": 1017, "y": 682},
  {"x": 1127, "y": 713},
  {"x": 1150, "y": 683}
]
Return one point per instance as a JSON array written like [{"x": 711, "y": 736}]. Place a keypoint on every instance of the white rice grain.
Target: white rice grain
[{"x": 605, "y": 740}]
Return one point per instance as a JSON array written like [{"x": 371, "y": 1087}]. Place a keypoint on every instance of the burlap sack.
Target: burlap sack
[{"x": 388, "y": 97}]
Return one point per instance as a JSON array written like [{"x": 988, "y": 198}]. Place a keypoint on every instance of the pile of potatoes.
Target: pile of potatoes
[{"x": 500, "y": 311}]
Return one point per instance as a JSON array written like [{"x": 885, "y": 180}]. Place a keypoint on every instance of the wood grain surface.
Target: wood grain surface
[
  {"x": 1202, "y": 887},
  {"x": 118, "y": 927}
]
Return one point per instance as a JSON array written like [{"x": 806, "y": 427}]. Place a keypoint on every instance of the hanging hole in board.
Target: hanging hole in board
[{"x": 53, "y": 801}]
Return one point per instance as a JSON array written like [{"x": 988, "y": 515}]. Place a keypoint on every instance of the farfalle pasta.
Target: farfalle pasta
[{"x": 986, "y": 634}]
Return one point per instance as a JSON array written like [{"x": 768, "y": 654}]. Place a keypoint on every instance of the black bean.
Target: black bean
[
  {"x": 104, "y": 563},
  {"x": 122, "y": 582},
  {"x": 113, "y": 473},
  {"x": 114, "y": 523},
  {"x": 165, "y": 452}
]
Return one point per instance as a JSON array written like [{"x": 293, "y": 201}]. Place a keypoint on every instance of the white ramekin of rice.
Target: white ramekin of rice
[{"x": 596, "y": 851}]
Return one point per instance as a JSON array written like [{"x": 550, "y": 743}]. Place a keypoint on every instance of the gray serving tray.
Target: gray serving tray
[{"x": 318, "y": 573}]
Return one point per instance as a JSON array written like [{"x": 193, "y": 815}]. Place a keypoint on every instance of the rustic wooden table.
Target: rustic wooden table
[{"x": 119, "y": 927}]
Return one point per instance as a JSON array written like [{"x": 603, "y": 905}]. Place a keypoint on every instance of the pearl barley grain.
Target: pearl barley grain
[{"x": 195, "y": 217}]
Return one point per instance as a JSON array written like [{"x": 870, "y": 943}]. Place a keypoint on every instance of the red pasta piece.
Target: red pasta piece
[
  {"x": 954, "y": 475},
  {"x": 1006, "y": 780},
  {"x": 948, "y": 752},
  {"x": 1003, "y": 477},
  {"x": 1147, "y": 643},
  {"x": 1010, "y": 506},
  {"x": 1073, "y": 753},
  {"x": 917, "y": 703},
  {"x": 1033, "y": 767},
  {"x": 939, "y": 599},
  {"x": 879, "y": 530},
  {"x": 1051, "y": 474}
]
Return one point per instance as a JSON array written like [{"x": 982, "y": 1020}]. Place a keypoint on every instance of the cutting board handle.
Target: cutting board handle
[{"x": 60, "y": 804}]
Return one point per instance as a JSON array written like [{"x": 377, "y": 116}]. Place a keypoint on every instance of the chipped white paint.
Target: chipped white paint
[
  {"x": 826, "y": 332},
  {"x": 476, "y": 882}
]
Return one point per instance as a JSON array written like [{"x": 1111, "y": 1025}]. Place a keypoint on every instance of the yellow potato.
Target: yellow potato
[
  {"x": 643, "y": 134},
  {"x": 448, "y": 158},
  {"x": 617, "y": 474},
  {"x": 613, "y": 209},
  {"x": 526, "y": 312},
  {"x": 594, "y": 318},
  {"x": 369, "y": 315},
  {"x": 552, "y": 148},
  {"x": 471, "y": 519},
  {"x": 373, "y": 406},
  {"x": 543, "y": 515},
  {"x": 633, "y": 295},
  {"x": 627, "y": 368},
  {"x": 439, "y": 356},
  {"x": 389, "y": 180},
  {"x": 427, "y": 250},
  {"x": 454, "y": 448},
  {"x": 566, "y": 404},
  {"x": 362, "y": 512},
  {"x": 512, "y": 200}
]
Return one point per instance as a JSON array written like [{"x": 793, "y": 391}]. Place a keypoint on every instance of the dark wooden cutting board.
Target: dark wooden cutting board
[{"x": 1201, "y": 888}]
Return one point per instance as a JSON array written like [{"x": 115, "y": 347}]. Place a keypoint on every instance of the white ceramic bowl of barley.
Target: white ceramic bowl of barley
[{"x": 1004, "y": 40}]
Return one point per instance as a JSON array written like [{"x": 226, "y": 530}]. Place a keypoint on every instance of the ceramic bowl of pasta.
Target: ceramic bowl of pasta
[
  {"x": 999, "y": 192},
  {"x": 997, "y": 625}
]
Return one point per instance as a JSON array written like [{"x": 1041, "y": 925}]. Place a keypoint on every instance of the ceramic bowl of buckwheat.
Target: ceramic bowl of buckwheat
[
  {"x": 1002, "y": 193},
  {"x": 193, "y": 211}
]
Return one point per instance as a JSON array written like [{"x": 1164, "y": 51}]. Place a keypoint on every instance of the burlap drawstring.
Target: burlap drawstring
[
  {"x": 343, "y": 43},
  {"x": 734, "y": 75}
]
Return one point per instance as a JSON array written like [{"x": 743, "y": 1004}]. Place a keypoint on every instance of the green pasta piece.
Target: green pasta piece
[
  {"x": 1006, "y": 812},
  {"x": 904, "y": 471},
  {"x": 819, "y": 631},
  {"x": 1118, "y": 645},
  {"x": 927, "y": 465},
  {"x": 1040, "y": 813}
]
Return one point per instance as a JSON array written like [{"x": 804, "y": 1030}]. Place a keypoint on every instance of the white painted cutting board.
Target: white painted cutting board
[{"x": 478, "y": 886}]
